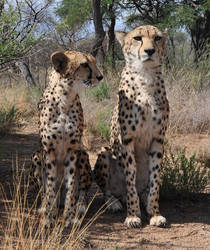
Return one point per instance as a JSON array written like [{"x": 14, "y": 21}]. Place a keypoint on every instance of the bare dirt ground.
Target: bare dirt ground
[{"x": 189, "y": 221}]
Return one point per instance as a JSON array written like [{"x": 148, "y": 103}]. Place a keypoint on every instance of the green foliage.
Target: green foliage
[
  {"x": 171, "y": 14},
  {"x": 103, "y": 124},
  {"x": 74, "y": 13},
  {"x": 8, "y": 118},
  {"x": 16, "y": 37},
  {"x": 182, "y": 15},
  {"x": 191, "y": 16},
  {"x": 147, "y": 12},
  {"x": 182, "y": 176},
  {"x": 100, "y": 92},
  {"x": 103, "y": 129}
]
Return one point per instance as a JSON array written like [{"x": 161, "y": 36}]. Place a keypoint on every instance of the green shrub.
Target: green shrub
[
  {"x": 182, "y": 176},
  {"x": 103, "y": 128},
  {"x": 8, "y": 119},
  {"x": 100, "y": 92},
  {"x": 103, "y": 122}
]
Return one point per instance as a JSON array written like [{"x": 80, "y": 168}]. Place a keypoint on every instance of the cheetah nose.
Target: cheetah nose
[
  {"x": 99, "y": 78},
  {"x": 150, "y": 52}
]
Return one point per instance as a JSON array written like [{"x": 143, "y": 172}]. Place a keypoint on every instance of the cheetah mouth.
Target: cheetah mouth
[
  {"x": 87, "y": 83},
  {"x": 148, "y": 59}
]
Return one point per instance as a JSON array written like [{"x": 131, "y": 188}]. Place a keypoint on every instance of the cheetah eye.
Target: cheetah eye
[
  {"x": 158, "y": 38},
  {"x": 85, "y": 65},
  {"x": 138, "y": 38}
]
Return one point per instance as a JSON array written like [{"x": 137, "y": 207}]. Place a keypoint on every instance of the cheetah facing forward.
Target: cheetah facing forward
[
  {"x": 61, "y": 128},
  {"x": 131, "y": 166}
]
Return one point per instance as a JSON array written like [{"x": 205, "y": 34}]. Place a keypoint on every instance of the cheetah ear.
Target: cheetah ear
[
  {"x": 59, "y": 61},
  {"x": 165, "y": 32},
  {"x": 120, "y": 37}
]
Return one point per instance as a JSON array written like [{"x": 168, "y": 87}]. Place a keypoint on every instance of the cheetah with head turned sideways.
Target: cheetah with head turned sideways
[
  {"x": 130, "y": 168},
  {"x": 61, "y": 127}
]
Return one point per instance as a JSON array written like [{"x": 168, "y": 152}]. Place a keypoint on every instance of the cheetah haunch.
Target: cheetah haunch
[
  {"x": 130, "y": 168},
  {"x": 61, "y": 128}
]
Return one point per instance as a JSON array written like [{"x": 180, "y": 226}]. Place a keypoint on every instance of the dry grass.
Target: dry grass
[
  {"x": 22, "y": 228},
  {"x": 18, "y": 104},
  {"x": 21, "y": 97},
  {"x": 97, "y": 113},
  {"x": 189, "y": 101},
  {"x": 188, "y": 90}
]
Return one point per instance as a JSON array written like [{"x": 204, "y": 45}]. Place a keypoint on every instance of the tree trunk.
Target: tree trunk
[
  {"x": 200, "y": 35},
  {"x": 99, "y": 31},
  {"x": 111, "y": 35},
  {"x": 25, "y": 71},
  {"x": 207, "y": 30}
]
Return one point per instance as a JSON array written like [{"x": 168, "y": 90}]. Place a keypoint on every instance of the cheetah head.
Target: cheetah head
[
  {"x": 76, "y": 66},
  {"x": 143, "y": 46}
]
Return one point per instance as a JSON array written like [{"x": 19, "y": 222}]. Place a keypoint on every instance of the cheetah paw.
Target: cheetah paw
[
  {"x": 132, "y": 222},
  {"x": 158, "y": 221},
  {"x": 114, "y": 206}
]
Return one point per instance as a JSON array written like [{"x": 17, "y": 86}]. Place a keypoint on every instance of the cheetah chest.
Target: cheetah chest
[
  {"x": 148, "y": 114},
  {"x": 61, "y": 131},
  {"x": 148, "y": 119}
]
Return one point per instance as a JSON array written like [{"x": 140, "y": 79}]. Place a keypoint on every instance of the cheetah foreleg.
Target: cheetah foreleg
[
  {"x": 70, "y": 202},
  {"x": 133, "y": 205},
  {"x": 155, "y": 158},
  {"x": 49, "y": 202},
  {"x": 85, "y": 180}
]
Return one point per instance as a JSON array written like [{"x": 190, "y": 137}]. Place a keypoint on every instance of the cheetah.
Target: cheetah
[
  {"x": 62, "y": 158},
  {"x": 129, "y": 169}
]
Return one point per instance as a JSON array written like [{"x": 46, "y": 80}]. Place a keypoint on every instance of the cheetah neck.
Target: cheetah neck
[
  {"x": 144, "y": 69},
  {"x": 64, "y": 91},
  {"x": 150, "y": 78}
]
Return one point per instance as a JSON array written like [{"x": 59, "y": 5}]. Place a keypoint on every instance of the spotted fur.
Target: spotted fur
[
  {"x": 129, "y": 170},
  {"x": 62, "y": 158}
]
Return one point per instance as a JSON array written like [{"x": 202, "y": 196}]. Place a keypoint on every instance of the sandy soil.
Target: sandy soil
[{"x": 188, "y": 221}]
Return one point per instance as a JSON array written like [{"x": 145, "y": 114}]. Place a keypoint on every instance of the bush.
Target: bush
[
  {"x": 100, "y": 92},
  {"x": 8, "y": 119},
  {"x": 182, "y": 176},
  {"x": 103, "y": 129},
  {"x": 103, "y": 126}
]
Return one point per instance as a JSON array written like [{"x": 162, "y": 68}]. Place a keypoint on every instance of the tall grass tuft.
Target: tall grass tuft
[{"x": 23, "y": 228}]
